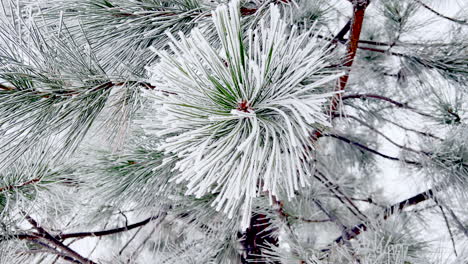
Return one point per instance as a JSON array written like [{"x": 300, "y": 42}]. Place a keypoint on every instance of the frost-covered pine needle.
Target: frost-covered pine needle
[{"x": 238, "y": 116}]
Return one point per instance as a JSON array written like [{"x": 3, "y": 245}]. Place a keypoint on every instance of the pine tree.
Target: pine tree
[{"x": 242, "y": 131}]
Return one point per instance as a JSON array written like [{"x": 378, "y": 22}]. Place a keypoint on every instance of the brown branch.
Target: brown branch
[
  {"x": 351, "y": 49},
  {"x": 11, "y": 187},
  {"x": 56, "y": 242}
]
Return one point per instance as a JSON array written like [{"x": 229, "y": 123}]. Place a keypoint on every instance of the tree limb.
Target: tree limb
[{"x": 351, "y": 49}]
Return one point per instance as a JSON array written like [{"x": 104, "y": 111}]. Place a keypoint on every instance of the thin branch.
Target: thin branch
[
  {"x": 361, "y": 146},
  {"x": 340, "y": 224},
  {"x": 339, "y": 38},
  {"x": 380, "y": 43},
  {"x": 49, "y": 249},
  {"x": 138, "y": 249},
  {"x": 386, "y": 137},
  {"x": 11, "y": 187},
  {"x": 56, "y": 242},
  {"x": 282, "y": 213},
  {"x": 384, "y": 98},
  {"x": 387, "y": 212},
  {"x": 335, "y": 190},
  {"x": 332, "y": 216},
  {"x": 449, "y": 230},
  {"x": 385, "y": 51},
  {"x": 83, "y": 234},
  {"x": 459, "y": 223},
  {"x": 110, "y": 231},
  {"x": 104, "y": 86},
  {"x": 375, "y": 96},
  {"x": 463, "y": 22},
  {"x": 413, "y": 130},
  {"x": 130, "y": 240}
]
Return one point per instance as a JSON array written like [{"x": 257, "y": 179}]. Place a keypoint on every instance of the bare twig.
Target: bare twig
[
  {"x": 138, "y": 249},
  {"x": 56, "y": 242},
  {"x": 361, "y": 146},
  {"x": 110, "y": 231},
  {"x": 387, "y": 212},
  {"x": 335, "y": 190},
  {"x": 49, "y": 249},
  {"x": 459, "y": 223},
  {"x": 384, "y": 98},
  {"x": 449, "y": 230},
  {"x": 463, "y": 22},
  {"x": 386, "y": 137},
  {"x": 130, "y": 240},
  {"x": 426, "y": 134}
]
